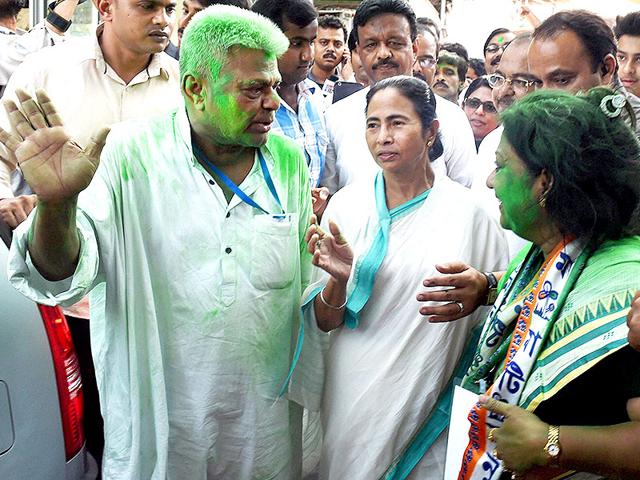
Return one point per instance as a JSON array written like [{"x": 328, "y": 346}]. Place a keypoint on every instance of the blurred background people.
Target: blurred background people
[
  {"x": 494, "y": 46},
  {"x": 476, "y": 69},
  {"x": 627, "y": 32},
  {"x": 16, "y": 44},
  {"x": 330, "y": 51},
  {"x": 480, "y": 110},
  {"x": 449, "y": 77},
  {"x": 189, "y": 9},
  {"x": 427, "y": 51}
]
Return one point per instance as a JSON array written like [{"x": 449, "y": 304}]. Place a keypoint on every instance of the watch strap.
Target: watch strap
[
  {"x": 492, "y": 290},
  {"x": 552, "y": 448},
  {"x": 57, "y": 21}
]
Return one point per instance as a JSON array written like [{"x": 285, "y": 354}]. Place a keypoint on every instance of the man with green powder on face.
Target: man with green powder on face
[{"x": 191, "y": 229}]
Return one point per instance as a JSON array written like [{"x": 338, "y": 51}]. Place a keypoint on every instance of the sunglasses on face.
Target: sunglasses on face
[{"x": 475, "y": 103}]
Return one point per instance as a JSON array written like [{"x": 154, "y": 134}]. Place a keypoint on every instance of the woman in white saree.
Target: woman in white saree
[{"x": 388, "y": 368}]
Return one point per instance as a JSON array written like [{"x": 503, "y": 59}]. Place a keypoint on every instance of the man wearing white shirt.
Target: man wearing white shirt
[
  {"x": 386, "y": 33},
  {"x": 510, "y": 82},
  {"x": 16, "y": 44}
]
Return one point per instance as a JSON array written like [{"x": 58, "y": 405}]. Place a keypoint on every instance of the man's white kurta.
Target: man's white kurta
[
  {"x": 384, "y": 377},
  {"x": 348, "y": 158},
  {"x": 195, "y": 310}
]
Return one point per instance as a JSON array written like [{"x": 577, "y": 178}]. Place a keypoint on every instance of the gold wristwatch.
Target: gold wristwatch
[{"x": 552, "y": 448}]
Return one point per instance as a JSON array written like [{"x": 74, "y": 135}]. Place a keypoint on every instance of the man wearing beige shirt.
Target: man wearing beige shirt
[{"x": 119, "y": 74}]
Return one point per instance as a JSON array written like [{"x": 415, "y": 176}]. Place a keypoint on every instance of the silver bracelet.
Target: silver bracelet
[{"x": 329, "y": 305}]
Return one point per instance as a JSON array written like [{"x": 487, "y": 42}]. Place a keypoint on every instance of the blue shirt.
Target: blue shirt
[{"x": 306, "y": 127}]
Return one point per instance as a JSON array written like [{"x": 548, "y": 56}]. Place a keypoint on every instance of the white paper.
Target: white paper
[{"x": 463, "y": 401}]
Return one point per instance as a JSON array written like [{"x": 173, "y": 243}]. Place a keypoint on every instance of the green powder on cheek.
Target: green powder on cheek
[{"x": 519, "y": 207}]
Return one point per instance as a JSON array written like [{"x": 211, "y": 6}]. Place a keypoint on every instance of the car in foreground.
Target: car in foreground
[{"x": 41, "y": 399}]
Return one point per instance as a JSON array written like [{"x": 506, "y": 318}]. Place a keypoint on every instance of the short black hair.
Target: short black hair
[
  {"x": 299, "y": 12},
  {"x": 593, "y": 31},
  {"x": 456, "y": 48},
  {"x": 9, "y": 8},
  {"x": 421, "y": 97},
  {"x": 426, "y": 22},
  {"x": 428, "y": 29},
  {"x": 329, "y": 21},
  {"x": 236, "y": 3},
  {"x": 372, "y": 8},
  {"x": 352, "y": 41},
  {"x": 627, "y": 25},
  {"x": 497, "y": 31},
  {"x": 451, "y": 58},
  {"x": 478, "y": 66}
]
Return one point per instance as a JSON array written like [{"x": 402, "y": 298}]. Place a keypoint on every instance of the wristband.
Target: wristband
[
  {"x": 332, "y": 307},
  {"x": 492, "y": 291},
  {"x": 57, "y": 21}
]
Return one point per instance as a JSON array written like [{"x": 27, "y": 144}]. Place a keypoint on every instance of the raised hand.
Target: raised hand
[
  {"x": 330, "y": 250},
  {"x": 55, "y": 167}
]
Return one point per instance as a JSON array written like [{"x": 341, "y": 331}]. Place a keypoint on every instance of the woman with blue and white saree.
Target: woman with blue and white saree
[
  {"x": 561, "y": 384},
  {"x": 387, "y": 366}
]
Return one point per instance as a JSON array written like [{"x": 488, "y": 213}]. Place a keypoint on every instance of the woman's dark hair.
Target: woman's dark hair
[
  {"x": 497, "y": 31},
  {"x": 422, "y": 99},
  {"x": 372, "y": 8},
  {"x": 592, "y": 159},
  {"x": 475, "y": 85},
  {"x": 299, "y": 12}
]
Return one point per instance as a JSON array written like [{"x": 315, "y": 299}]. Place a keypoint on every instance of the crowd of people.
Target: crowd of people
[{"x": 280, "y": 242}]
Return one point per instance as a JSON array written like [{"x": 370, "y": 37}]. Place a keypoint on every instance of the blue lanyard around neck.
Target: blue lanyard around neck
[{"x": 234, "y": 188}]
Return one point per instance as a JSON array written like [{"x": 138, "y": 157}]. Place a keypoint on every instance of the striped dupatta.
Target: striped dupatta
[{"x": 528, "y": 309}]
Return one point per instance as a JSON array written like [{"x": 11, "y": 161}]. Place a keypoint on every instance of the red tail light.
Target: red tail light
[{"x": 68, "y": 379}]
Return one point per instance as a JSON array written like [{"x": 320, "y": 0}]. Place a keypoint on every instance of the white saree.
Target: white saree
[{"x": 383, "y": 378}]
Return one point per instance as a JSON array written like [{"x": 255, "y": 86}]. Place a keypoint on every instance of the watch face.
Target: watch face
[{"x": 554, "y": 450}]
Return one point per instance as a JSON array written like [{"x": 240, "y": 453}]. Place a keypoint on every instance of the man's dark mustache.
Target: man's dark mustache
[
  {"x": 329, "y": 55},
  {"x": 441, "y": 83},
  {"x": 496, "y": 60},
  {"x": 420, "y": 76},
  {"x": 385, "y": 63}
]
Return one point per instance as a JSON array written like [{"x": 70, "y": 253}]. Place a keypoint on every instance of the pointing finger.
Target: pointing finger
[{"x": 493, "y": 405}]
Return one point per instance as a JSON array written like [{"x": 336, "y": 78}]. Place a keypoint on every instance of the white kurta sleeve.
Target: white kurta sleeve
[{"x": 27, "y": 280}]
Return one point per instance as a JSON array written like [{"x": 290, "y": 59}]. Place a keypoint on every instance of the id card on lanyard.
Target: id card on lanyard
[{"x": 238, "y": 191}]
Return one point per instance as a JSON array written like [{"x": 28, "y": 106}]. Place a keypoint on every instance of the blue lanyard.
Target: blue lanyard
[{"x": 234, "y": 188}]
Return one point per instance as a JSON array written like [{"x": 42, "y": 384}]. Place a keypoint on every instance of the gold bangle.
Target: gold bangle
[{"x": 332, "y": 307}]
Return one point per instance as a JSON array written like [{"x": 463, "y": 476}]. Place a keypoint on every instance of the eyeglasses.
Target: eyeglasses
[
  {"x": 475, "y": 103},
  {"x": 426, "y": 62},
  {"x": 494, "y": 47},
  {"x": 520, "y": 85}
]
